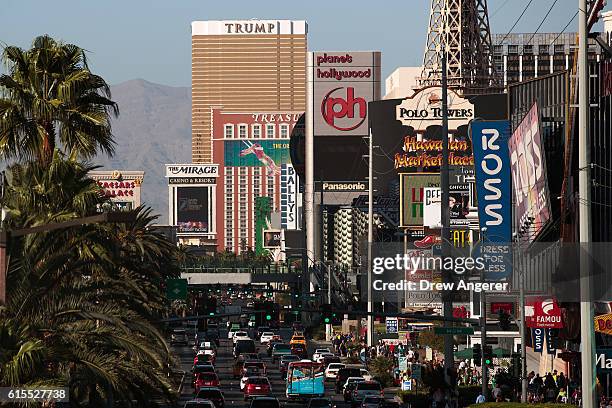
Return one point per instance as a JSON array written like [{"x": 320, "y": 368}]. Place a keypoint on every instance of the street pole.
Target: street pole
[
  {"x": 522, "y": 327},
  {"x": 584, "y": 190},
  {"x": 328, "y": 327},
  {"x": 483, "y": 342},
  {"x": 370, "y": 332},
  {"x": 445, "y": 218},
  {"x": 308, "y": 184}
]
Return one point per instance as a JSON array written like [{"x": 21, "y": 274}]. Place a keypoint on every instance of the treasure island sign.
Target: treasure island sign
[{"x": 420, "y": 112}]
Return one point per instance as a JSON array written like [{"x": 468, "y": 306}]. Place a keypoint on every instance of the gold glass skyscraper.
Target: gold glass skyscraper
[{"x": 246, "y": 65}]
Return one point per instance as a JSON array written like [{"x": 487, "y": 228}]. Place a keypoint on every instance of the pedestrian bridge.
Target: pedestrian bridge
[{"x": 238, "y": 276}]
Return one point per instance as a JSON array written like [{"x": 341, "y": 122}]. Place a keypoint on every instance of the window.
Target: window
[
  {"x": 228, "y": 132},
  {"x": 256, "y": 131},
  {"x": 242, "y": 131},
  {"x": 270, "y": 131},
  {"x": 284, "y": 131}
]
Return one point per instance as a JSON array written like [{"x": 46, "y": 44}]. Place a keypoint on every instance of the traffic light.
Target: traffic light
[
  {"x": 477, "y": 351},
  {"x": 326, "y": 313},
  {"x": 504, "y": 320},
  {"x": 487, "y": 352},
  {"x": 268, "y": 317}
]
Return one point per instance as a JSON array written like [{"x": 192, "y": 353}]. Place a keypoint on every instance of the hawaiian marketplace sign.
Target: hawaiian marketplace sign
[{"x": 421, "y": 112}]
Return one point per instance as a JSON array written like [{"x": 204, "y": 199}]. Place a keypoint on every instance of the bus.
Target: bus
[{"x": 305, "y": 380}]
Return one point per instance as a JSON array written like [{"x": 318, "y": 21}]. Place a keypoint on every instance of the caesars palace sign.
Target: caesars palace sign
[{"x": 424, "y": 109}]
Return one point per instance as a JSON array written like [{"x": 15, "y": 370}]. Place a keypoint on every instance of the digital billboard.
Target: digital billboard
[
  {"x": 192, "y": 209},
  {"x": 527, "y": 162},
  {"x": 412, "y": 190},
  {"x": 270, "y": 154}
]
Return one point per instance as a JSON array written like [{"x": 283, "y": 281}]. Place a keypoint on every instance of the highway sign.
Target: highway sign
[
  {"x": 454, "y": 330},
  {"x": 176, "y": 289}
]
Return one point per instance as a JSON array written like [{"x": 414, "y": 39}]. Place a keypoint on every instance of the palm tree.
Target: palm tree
[
  {"x": 83, "y": 302},
  {"x": 49, "y": 99}
]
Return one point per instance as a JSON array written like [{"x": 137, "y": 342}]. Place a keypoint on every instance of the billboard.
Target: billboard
[
  {"x": 271, "y": 239},
  {"x": 192, "y": 170},
  {"x": 192, "y": 209},
  {"x": 542, "y": 312},
  {"x": 342, "y": 85},
  {"x": 412, "y": 187},
  {"x": 527, "y": 162},
  {"x": 270, "y": 154}
]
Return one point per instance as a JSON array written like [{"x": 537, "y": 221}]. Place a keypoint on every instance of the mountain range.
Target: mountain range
[{"x": 153, "y": 129}]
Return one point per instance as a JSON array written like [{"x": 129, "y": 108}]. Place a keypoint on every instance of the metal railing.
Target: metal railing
[{"x": 238, "y": 269}]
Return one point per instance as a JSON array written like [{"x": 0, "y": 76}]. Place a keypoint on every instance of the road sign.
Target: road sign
[
  {"x": 416, "y": 371},
  {"x": 403, "y": 363},
  {"x": 407, "y": 385},
  {"x": 453, "y": 330},
  {"x": 176, "y": 289}
]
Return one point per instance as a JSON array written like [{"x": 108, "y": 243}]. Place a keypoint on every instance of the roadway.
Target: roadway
[{"x": 230, "y": 386}]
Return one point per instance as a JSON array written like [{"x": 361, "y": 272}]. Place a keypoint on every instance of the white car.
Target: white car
[
  {"x": 366, "y": 374},
  {"x": 317, "y": 353},
  {"x": 321, "y": 358},
  {"x": 231, "y": 332},
  {"x": 266, "y": 337},
  {"x": 240, "y": 335},
  {"x": 332, "y": 370}
]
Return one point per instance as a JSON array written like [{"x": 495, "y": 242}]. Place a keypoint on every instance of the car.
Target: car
[
  {"x": 203, "y": 368},
  {"x": 255, "y": 386},
  {"x": 265, "y": 402},
  {"x": 266, "y": 337},
  {"x": 179, "y": 337},
  {"x": 280, "y": 349},
  {"x": 201, "y": 358},
  {"x": 244, "y": 346},
  {"x": 261, "y": 330},
  {"x": 284, "y": 364},
  {"x": 372, "y": 401},
  {"x": 317, "y": 353},
  {"x": 205, "y": 379},
  {"x": 349, "y": 387},
  {"x": 343, "y": 374},
  {"x": 271, "y": 344},
  {"x": 365, "y": 374},
  {"x": 321, "y": 358},
  {"x": 250, "y": 356},
  {"x": 332, "y": 370},
  {"x": 250, "y": 304},
  {"x": 320, "y": 403},
  {"x": 327, "y": 360},
  {"x": 298, "y": 339},
  {"x": 231, "y": 332},
  {"x": 257, "y": 364},
  {"x": 247, "y": 373},
  {"x": 240, "y": 335},
  {"x": 213, "y": 394},
  {"x": 365, "y": 389},
  {"x": 297, "y": 326},
  {"x": 299, "y": 350},
  {"x": 199, "y": 403}
]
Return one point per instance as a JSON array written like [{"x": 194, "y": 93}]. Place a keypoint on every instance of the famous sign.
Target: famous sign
[
  {"x": 341, "y": 85},
  {"x": 543, "y": 312}
]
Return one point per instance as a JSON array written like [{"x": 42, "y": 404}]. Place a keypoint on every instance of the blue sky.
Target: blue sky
[{"x": 150, "y": 39}]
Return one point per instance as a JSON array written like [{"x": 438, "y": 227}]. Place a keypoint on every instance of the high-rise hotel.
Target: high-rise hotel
[{"x": 250, "y": 65}]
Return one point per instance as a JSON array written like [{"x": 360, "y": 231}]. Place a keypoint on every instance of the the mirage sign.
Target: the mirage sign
[{"x": 192, "y": 170}]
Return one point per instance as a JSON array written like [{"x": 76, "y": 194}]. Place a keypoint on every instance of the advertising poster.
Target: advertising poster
[
  {"x": 432, "y": 214},
  {"x": 270, "y": 154},
  {"x": 412, "y": 186},
  {"x": 542, "y": 312},
  {"x": 493, "y": 187},
  {"x": 538, "y": 340},
  {"x": 289, "y": 197},
  {"x": 272, "y": 239},
  {"x": 192, "y": 209},
  {"x": 527, "y": 161}
]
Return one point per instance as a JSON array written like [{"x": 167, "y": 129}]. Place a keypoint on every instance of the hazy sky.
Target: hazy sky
[{"x": 150, "y": 39}]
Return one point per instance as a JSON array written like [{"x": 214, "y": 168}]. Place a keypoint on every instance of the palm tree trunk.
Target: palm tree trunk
[{"x": 48, "y": 144}]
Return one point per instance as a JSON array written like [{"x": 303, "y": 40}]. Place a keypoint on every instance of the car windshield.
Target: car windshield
[
  {"x": 371, "y": 399},
  {"x": 210, "y": 394},
  {"x": 335, "y": 366},
  {"x": 368, "y": 386},
  {"x": 207, "y": 376},
  {"x": 265, "y": 403},
  {"x": 253, "y": 364},
  {"x": 282, "y": 347},
  {"x": 319, "y": 403},
  {"x": 298, "y": 338},
  {"x": 285, "y": 359},
  {"x": 204, "y": 404}
]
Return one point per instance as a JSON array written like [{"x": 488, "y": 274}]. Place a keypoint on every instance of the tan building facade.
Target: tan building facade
[{"x": 249, "y": 65}]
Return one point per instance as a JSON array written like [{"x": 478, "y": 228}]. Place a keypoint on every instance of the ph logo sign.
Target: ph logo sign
[{"x": 337, "y": 105}]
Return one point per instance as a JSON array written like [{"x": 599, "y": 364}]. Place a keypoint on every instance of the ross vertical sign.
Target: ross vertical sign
[
  {"x": 550, "y": 343},
  {"x": 493, "y": 187},
  {"x": 527, "y": 161},
  {"x": 289, "y": 197},
  {"x": 537, "y": 335}
]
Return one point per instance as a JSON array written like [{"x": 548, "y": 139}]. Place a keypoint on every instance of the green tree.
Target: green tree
[{"x": 49, "y": 99}]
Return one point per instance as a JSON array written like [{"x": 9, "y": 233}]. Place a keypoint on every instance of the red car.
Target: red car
[
  {"x": 257, "y": 386},
  {"x": 205, "y": 380}
]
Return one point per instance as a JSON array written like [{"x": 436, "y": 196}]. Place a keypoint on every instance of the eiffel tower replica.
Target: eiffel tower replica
[{"x": 461, "y": 27}]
